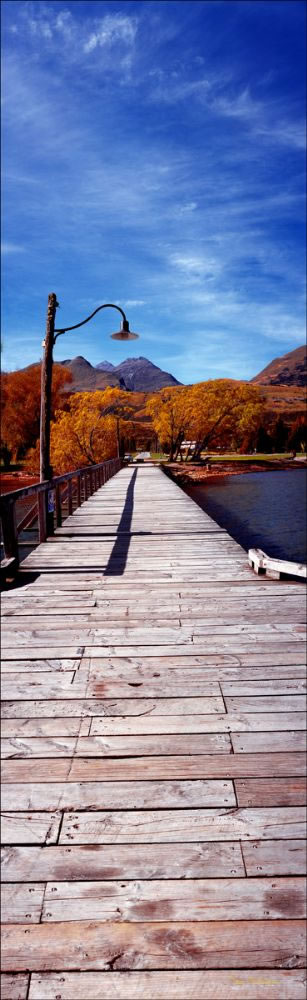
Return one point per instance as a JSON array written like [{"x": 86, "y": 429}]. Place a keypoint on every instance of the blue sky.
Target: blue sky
[{"x": 154, "y": 157}]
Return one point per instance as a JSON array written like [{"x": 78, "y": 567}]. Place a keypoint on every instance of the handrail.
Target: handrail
[
  {"x": 27, "y": 491},
  {"x": 49, "y": 504}
]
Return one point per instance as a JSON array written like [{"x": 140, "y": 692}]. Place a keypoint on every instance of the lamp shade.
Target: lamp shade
[{"x": 124, "y": 332}]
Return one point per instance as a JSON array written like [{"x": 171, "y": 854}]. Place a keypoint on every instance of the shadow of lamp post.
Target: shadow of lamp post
[{"x": 46, "y": 376}]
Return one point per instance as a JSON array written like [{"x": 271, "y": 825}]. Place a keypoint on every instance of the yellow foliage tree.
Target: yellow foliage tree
[
  {"x": 208, "y": 413},
  {"x": 169, "y": 412},
  {"x": 221, "y": 411},
  {"x": 88, "y": 432}
]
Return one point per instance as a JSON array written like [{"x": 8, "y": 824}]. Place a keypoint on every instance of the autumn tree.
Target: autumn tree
[
  {"x": 20, "y": 418},
  {"x": 168, "y": 410},
  {"x": 87, "y": 432},
  {"x": 222, "y": 411}
]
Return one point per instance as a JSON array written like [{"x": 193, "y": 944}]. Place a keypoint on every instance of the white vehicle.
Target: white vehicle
[{"x": 142, "y": 455}]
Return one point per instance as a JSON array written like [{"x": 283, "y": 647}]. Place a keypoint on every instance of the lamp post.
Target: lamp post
[{"x": 46, "y": 377}]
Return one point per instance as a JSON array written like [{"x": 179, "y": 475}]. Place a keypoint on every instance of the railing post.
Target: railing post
[
  {"x": 42, "y": 520},
  {"x": 58, "y": 505},
  {"x": 9, "y": 531},
  {"x": 69, "y": 494},
  {"x": 78, "y": 489}
]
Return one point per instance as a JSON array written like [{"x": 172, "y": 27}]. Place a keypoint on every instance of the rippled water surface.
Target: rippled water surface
[{"x": 265, "y": 510}]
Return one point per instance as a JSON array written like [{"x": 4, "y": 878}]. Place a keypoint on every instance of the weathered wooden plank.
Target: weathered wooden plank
[
  {"x": 189, "y": 684},
  {"x": 271, "y": 791},
  {"x": 94, "y": 945},
  {"x": 104, "y": 587},
  {"x": 50, "y": 665},
  {"x": 271, "y": 687},
  {"x": 90, "y": 707},
  {"x": 32, "y": 621},
  {"x": 137, "y": 635},
  {"x": 48, "y": 727},
  {"x": 159, "y": 768},
  {"x": 24, "y": 602},
  {"x": 21, "y": 903},
  {"x": 119, "y": 795},
  {"x": 154, "y": 826},
  {"x": 45, "y": 685},
  {"x": 116, "y": 746},
  {"x": 275, "y": 857},
  {"x": 24, "y": 613},
  {"x": 145, "y": 861},
  {"x": 214, "y": 723},
  {"x": 70, "y": 651},
  {"x": 235, "y": 646},
  {"x": 29, "y": 827},
  {"x": 268, "y": 742},
  {"x": 202, "y": 899},
  {"x": 273, "y": 654},
  {"x": 268, "y": 703},
  {"x": 221, "y": 985},
  {"x": 150, "y": 617},
  {"x": 121, "y": 601},
  {"x": 14, "y": 986}
]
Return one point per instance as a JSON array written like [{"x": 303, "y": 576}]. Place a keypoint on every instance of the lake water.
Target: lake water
[{"x": 265, "y": 510}]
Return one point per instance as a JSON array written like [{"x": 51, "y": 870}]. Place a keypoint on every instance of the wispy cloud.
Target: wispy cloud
[
  {"x": 134, "y": 303},
  {"x": 79, "y": 39},
  {"x": 263, "y": 118},
  {"x": 8, "y": 248},
  {"x": 112, "y": 28}
]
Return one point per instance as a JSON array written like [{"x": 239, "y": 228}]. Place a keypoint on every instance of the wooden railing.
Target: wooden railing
[{"x": 51, "y": 497}]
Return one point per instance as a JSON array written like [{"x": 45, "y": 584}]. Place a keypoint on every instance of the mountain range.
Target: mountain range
[
  {"x": 141, "y": 375},
  {"x": 133, "y": 374}
]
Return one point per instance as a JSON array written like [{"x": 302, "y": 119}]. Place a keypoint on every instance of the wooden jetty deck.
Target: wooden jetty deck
[{"x": 153, "y": 736}]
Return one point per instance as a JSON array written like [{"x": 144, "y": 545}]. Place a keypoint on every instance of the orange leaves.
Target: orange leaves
[
  {"x": 169, "y": 410},
  {"x": 21, "y": 406},
  {"x": 88, "y": 432},
  {"x": 221, "y": 411},
  {"x": 205, "y": 413}
]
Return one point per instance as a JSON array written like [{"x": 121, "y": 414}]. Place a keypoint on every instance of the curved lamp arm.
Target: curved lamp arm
[{"x": 107, "y": 305}]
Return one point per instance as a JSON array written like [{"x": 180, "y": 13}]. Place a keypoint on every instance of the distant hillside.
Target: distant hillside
[
  {"x": 134, "y": 374},
  {"x": 290, "y": 369},
  {"x": 139, "y": 374}
]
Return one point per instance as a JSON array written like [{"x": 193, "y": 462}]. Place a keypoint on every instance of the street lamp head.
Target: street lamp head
[{"x": 124, "y": 332}]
